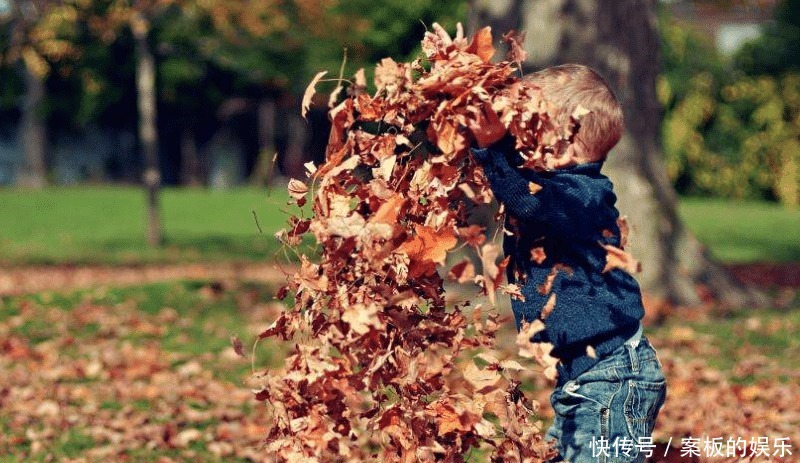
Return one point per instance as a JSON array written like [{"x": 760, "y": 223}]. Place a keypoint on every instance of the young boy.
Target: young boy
[{"x": 610, "y": 383}]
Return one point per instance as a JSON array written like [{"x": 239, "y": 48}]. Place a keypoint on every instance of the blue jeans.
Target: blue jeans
[{"x": 607, "y": 414}]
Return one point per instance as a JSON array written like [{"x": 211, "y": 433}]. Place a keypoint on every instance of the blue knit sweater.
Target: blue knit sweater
[{"x": 568, "y": 218}]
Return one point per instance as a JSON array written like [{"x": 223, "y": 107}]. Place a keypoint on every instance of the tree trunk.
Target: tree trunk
[
  {"x": 294, "y": 157},
  {"x": 148, "y": 133},
  {"x": 190, "y": 159},
  {"x": 263, "y": 171},
  {"x": 620, "y": 40},
  {"x": 33, "y": 131}
]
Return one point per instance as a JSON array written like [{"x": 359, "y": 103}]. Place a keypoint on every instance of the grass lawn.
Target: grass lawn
[
  {"x": 744, "y": 231},
  {"x": 106, "y": 225}
]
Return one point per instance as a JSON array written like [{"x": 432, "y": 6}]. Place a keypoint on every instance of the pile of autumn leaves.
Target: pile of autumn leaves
[{"x": 372, "y": 374}]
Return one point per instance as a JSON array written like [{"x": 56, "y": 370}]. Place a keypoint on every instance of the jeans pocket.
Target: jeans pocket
[{"x": 642, "y": 405}]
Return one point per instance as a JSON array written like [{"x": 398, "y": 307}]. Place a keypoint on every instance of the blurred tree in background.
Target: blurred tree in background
[
  {"x": 227, "y": 75},
  {"x": 777, "y": 50},
  {"x": 732, "y": 125},
  {"x": 35, "y": 33}
]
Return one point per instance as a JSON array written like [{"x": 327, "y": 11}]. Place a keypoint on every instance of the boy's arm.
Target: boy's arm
[{"x": 563, "y": 206}]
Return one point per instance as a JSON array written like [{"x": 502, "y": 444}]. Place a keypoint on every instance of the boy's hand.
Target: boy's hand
[{"x": 486, "y": 128}]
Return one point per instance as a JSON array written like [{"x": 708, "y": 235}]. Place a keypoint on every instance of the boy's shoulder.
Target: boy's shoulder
[{"x": 584, "y": 179}]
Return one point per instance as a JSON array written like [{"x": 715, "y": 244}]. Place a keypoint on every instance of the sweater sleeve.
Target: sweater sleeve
[{"x": 561, "y": 203}]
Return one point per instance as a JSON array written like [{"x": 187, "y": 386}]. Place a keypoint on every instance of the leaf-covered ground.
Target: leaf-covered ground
[
  {"x": 143, "y": 374},
  {"x": 148, "y": 374}
]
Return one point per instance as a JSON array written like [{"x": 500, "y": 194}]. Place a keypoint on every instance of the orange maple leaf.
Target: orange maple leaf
[{"x": 429, "y": 244}]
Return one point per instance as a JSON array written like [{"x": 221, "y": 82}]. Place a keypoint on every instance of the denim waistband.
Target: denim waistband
[
  {"x": 634, "y": 340},
  {"x": 632, "y": 352}
]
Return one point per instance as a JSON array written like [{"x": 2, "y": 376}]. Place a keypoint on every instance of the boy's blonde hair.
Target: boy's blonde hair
[{"x": 569, "y": 86}]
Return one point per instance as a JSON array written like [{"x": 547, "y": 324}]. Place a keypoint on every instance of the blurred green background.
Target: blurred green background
[{"x": 226, "y": 80}]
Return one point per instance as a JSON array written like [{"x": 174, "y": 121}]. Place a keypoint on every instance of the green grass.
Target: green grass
[
  {"x": 744, "y": 231},
  {"x": 743, "y": 334},
  {"x": 106, "y": 225}
]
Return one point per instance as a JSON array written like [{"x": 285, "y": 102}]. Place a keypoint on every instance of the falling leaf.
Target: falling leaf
[
  {"x": 622, "y": 223},
  {"x": 512, "y": 365},
  {"x": 514, "y": 40},
  {"x": 462, "y": 272},
  {"x": 237, "y": 346},
  {"x": 481, "y": 44},
  {"x": 580, "y": 112},
  {"x": 538, "y": 255},
  {"x": 482, "y": 378},
  {"x": 389, "y": 211},
  {"x": 513, "y": 290},
  {"x": 528, "y": 349},
  {"x": 534, "y": 187},
  {"x": 309, "y": 93},
  {"x": 590, "y": 352},
  {"x": 360, "y": 79},
  {"x": 474, "y": 235},
  {"x": 547, "y": 285},
  {"x": 429, "y": 244},
  {"x": 297, "y": 189},
  {"x": 310, "y": 168},
  {"x": 549, "y": 306},
  {"x": 616, "y": 258}
]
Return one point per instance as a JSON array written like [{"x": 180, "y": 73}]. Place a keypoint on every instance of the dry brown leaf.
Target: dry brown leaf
[
  {"x": 549, "y": 306},
  {"x": 616, "y": 258},
  {"x": 462, "y": 272},
  {"x": 297, "y": 189},
  {"x": 482, "y": 378},
  {"x": 538, "y": 255},
  {"x": 237, "y": 346},
  {"x": 389, "y": 211},
  {"x": 429, "y": 245},
  {"x": 513, "y": 290},
  {"x": 622, "y": 223},
  {"x": 514, "y": 40},
  {"x": 309, "y": 93},
  {"x": 481, "y": 44}
]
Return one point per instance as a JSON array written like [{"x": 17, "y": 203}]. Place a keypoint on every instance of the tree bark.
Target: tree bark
[
  {"x": 263, "y": 171},
  {"x": 148, "y": 132},
  {"x": 33, "y": 131},
  {"x": 295, "y": 155},
  {"x": 620, "y": 40},
  {"x": 190, "y": 159}
]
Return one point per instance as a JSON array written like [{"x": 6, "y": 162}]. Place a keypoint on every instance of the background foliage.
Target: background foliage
[
  {"x": 731, "y": 124},
  {"x": 730, "y": 129}
]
